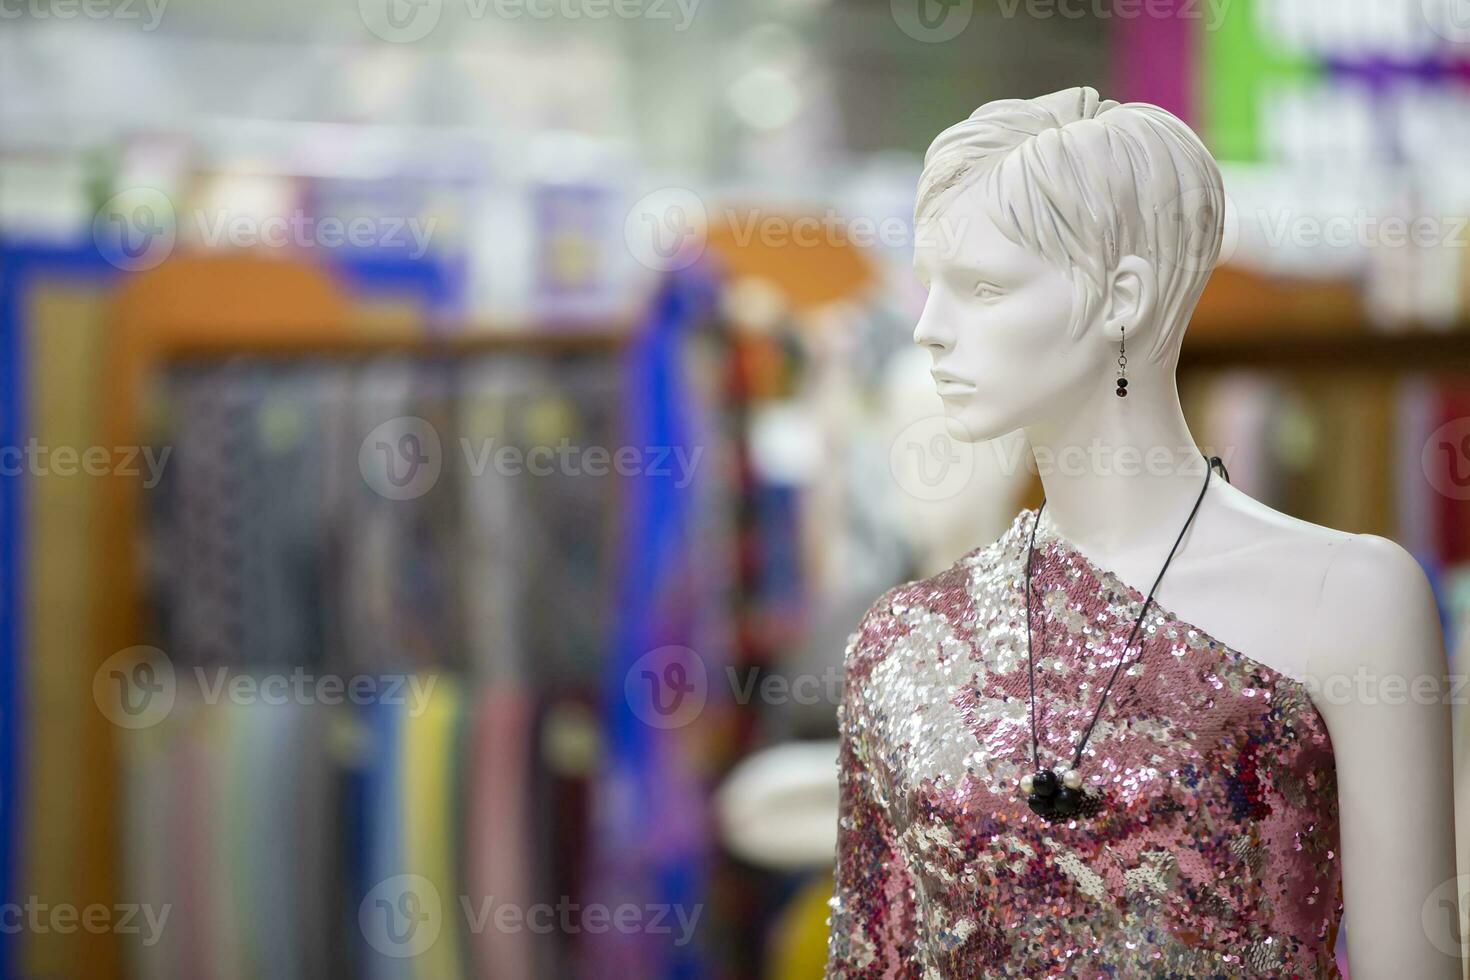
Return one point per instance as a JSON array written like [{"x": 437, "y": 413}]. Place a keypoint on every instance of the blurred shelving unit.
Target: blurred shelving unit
[{"x": 1250, "y": 321}]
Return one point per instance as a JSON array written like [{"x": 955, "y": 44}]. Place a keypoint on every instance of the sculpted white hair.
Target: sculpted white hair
[{"x": 1081, "y": 181}]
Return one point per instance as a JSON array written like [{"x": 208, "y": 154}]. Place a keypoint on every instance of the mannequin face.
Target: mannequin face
[{"x": 998, "y": 326}]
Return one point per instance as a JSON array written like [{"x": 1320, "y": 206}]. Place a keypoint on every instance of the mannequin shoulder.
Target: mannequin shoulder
[
  {"x": 1376, "y": 609},
  {"x": 1309, "y": 599},
  {"x": 936, "y": 605}
]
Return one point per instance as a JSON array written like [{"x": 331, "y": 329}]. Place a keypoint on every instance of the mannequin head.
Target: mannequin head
[{"x": 1049, "y": 230}]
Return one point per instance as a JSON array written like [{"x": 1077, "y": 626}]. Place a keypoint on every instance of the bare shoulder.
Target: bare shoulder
[{"x": 1377, "y": 609}]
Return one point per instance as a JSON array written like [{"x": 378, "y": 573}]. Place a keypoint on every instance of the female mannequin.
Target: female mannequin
[{"x": 1052, "y": 233}]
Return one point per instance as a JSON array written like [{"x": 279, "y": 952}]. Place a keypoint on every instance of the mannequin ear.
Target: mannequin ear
[{"x": 1132, "y": 292}]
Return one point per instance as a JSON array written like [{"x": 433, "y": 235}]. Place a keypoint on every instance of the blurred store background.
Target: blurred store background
[{"x": 448, "y": 442}]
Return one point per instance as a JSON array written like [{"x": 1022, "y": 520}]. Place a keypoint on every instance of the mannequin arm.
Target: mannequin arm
[{"x": 1379, "y": 679}]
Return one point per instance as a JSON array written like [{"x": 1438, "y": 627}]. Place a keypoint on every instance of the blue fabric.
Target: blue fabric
[
  {"x": 640, "y": 790},
  {"x": 384, "y": 797}
]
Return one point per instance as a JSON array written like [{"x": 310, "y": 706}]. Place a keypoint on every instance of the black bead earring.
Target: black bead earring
[{"x": 1122, "y": 368}]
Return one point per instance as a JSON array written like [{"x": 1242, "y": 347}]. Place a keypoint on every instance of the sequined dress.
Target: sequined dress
[{"x": 1216, "y": 851}]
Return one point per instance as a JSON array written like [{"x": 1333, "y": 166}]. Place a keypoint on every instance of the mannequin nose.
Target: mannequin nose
[{"x": 929, "y": 332}]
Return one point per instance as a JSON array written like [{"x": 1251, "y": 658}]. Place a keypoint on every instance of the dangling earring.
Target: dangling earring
[{"x": 1122, "y": 368}]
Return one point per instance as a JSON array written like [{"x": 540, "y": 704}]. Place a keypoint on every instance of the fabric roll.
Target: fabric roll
[
  {"x": 149, "y": 850},
  {"x": 272, "y": 929},
  {"x": 384, "y": 858},
  {"x": 400, "y": 610},
  {"x": 497, "y": 828},
  {"x": 231, "y": 869},
  {"x": 428, "y": 782},
  {"x": 1452, "y": 470},
  {"x": 493, "y": 532},
  {"x": 205, "y": 587},
  {"x": 799, "y": 945},
  {"x": 281, "y": 511},
  {"x": 1414, "y": 421},
  {"x": 315, "y": 836},
  {"x": 195, "y": 816}
]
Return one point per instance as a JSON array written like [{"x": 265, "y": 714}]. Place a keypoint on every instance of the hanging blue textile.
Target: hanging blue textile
[{"x": 649, "y": 847}]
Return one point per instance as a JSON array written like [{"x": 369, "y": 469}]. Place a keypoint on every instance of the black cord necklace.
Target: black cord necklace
[{"x": 1052, "y": 797}]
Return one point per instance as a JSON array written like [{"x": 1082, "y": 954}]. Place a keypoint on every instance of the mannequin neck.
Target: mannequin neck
[{"x": 1120, "y": 473}]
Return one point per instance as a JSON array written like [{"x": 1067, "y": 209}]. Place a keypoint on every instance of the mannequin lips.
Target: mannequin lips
[{"x": 950, "y": 386}]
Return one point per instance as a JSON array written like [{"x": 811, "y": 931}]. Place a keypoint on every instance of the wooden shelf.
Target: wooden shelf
[
  {"x": 546, "y": 339},
  {"x": 1361, "y": 350},
  {"x": 1253, "y": 321}
]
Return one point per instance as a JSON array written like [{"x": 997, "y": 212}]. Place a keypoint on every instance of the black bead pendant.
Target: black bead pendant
[
  {"x": 1053, "y": 801},
  {"x": 1044, "y": 788}
]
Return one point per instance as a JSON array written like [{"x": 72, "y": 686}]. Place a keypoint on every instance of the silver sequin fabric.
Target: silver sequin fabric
[{"x": 1215, "y": 853}]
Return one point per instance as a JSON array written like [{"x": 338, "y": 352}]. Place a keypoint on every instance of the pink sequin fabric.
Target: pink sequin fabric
[{"x": 1215, "y": 854}]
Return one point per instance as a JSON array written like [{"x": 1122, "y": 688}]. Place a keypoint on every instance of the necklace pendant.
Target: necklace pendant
[
  {"x": 1041, "y": 789},
  {"x": 1055, "y": 798}
]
